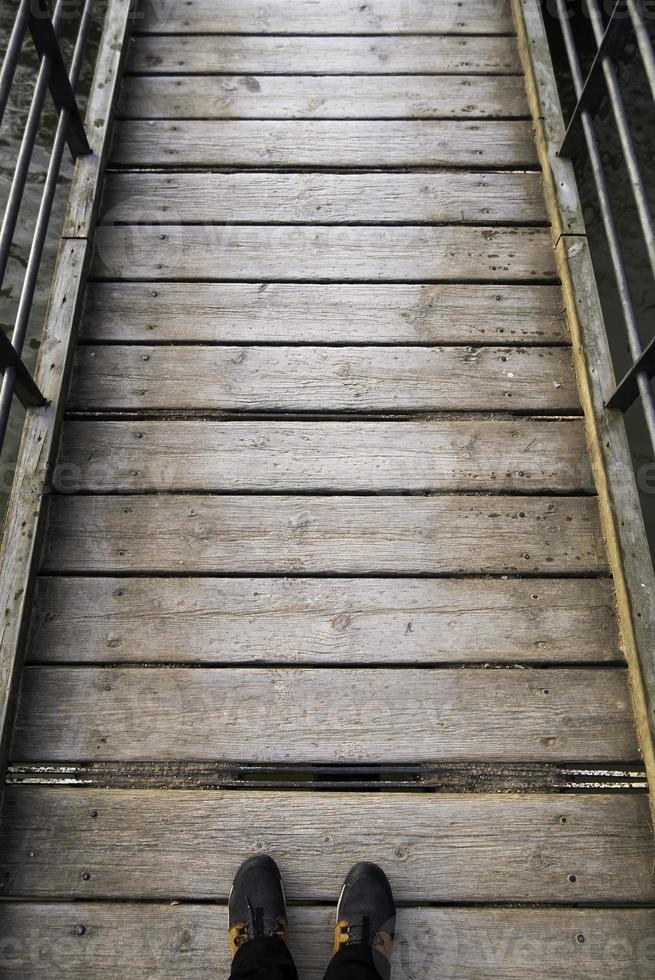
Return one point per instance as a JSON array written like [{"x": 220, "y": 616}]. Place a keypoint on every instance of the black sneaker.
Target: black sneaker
[
  {"x": 366, "y": 914},
  {"x": 257, "y": 906}
]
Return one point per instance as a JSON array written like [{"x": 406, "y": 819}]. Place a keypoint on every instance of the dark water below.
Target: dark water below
[{"x": 10, "y": 137}]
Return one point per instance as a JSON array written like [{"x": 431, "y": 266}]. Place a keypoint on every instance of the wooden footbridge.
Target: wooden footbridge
[{"x": 316, "y": 554}]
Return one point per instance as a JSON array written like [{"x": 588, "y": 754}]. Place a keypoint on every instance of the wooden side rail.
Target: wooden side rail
[{"x": 621, "y": 516}]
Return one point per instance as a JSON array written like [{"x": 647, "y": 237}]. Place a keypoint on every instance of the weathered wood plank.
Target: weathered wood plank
[
  {"x": 322, "y": 97},
  {"x": 412, "y": 253},
  {"x": 166, "y": 942},
  {"x": 338, "y": 17},
  {"x": 372, "y": 715},
  {"x": 350, "y": 535},
  {"x": 323, "y": 621},
  {"x": 391, "y": 143},
  {"x": 311, "y": 313},
  {"x": 528, "y": 456},
  {"x": 353, "y": 379},
  {"x": 439, "y": 848},
  {"x": 467, "y": 198},
  {"x": 205, "y": 54}
]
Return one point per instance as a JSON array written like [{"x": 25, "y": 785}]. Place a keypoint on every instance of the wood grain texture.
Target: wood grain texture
[
  {"x": 282, "y": 715},
  {"x": 284, "y": 312},
  {"x": 322, "y": 97},
  {"x": 350, "y": 535},
  {"x": 441, "y": 848},
  {"x": 167, "y": 942},
  {"x": 323, "y": 621},
  {"x": 528, "y": 456},
  {"x": 205, "y": 54},
  {"x": 338, "y": 17},
  {"x": 410, "y": 253},
  {"x": 353, "y": 379},
  {"x": 373, "y": 198},
  {"x": 321, "y": 143}
]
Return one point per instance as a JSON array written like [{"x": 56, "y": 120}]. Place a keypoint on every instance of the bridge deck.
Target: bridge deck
[{"x": 324, "y": 573}]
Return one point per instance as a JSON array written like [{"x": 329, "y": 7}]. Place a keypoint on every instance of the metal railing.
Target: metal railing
[
  {"x": 600, "y": 86},
  {"x": 33, "y": 17}
]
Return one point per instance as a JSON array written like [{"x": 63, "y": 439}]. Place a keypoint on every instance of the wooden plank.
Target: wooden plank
[
  {"x": 528, "y": 456},
  {"x": 467, "y": 198},
  {"x": 344, "y": 535},
  {"x": 372, "y": 715},
  {"x": 324, "y": 97},
  {"x": 435, "y": 847},
  {"x": 324, "y": 143},
  {"x": 207, "y": 54},
  {"x": 348, "y": 379},
  {"x": 311, "y": 313},
  {"x": 165, "y": 942},
  {"x": 338, "y": 17},
  {"x": 411, "y": 253},
  {"x": 323, "y": 621}
]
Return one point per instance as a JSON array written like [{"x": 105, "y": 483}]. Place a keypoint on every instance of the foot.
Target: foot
[
  {"x": 257, "y": 905},
  {"x": 366, "y": 914}
]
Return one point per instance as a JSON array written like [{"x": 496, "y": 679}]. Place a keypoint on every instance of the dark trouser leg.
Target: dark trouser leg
[
  {"x": 353, "y": 963},
  {"x": 266, "y": 958}
]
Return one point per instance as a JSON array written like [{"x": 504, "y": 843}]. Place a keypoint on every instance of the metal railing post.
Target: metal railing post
[
  {"x": 601, "y": 81},
  {"x": 52, "y": 76}
]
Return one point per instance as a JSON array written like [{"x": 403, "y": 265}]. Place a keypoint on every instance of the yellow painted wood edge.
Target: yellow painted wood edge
[{"x": 562, "y": 240}]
